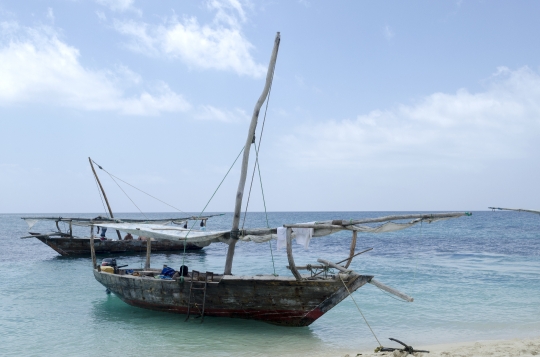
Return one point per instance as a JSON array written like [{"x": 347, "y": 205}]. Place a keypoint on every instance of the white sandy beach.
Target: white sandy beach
[{"x": 497, "y": 348}]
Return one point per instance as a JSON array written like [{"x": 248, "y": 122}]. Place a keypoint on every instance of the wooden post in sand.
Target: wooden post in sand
[
  {"x": 148, "y": 250},
  {"x": 245, "y": 159}
]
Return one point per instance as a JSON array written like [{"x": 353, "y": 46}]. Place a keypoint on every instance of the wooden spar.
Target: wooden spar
[
  {"x": 307, "y": 267},
  {"x": 353, "y": 248},
  {"x": 515, "y": 209},
  {"x": 391, "y": 290},
  {"x": 148, "y": 251},
  {"x": 334, "y": 265},
  {"x": 104, "y": 195},
  {"x": 348, "y": 222},
  {"x": 92, "y": 249},
  {"x": 352, "y": 256},
  {"x": 292, "y": 266},
  {"x": 245, "y": 159}
]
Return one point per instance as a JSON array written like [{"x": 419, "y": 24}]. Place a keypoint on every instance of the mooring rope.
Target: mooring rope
[{"x": 367, "y": 323}]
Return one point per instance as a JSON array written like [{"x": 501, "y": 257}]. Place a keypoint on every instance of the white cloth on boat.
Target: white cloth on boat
[
  {"x": 303, "y": 236},
  {"x": 30, "y": 222},
  {"x": 281, "y": 237}
]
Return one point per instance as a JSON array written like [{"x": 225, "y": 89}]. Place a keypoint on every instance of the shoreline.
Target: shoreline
[{"x": 494, "y": 348}]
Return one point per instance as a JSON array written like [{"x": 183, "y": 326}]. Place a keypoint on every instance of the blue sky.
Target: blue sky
[{"x": 375, "y": 105}]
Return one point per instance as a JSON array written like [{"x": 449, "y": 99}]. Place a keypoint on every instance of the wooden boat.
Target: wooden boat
[
  {"x": 67, "y": 244},
  {"x": 296, "y": 300}
]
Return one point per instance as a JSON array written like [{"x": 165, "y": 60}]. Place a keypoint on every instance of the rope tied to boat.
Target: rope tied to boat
[{"x": 360, "y": 311}]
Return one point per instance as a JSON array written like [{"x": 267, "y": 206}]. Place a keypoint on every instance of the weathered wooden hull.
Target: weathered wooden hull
[
  {"x": 81, "y": 246},
  {"x": 277, "y": 300}
]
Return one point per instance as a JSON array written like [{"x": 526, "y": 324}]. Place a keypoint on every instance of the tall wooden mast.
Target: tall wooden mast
[
  {"x": 104, "y": 195},
  {"x": 245, "y": 159}
]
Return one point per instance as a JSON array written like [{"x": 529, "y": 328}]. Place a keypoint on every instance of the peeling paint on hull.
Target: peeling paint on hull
[
  {"x": 279, "y": 300},
  {"x": 81, "y": 246}
]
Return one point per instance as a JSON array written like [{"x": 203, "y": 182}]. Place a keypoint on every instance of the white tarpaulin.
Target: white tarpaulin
[{"x": 160, "y": 231}]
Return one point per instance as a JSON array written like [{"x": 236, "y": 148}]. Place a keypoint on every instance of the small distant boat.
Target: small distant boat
[
  {"x": 296, "y": 300},
  {"x": 66, "y": 244}
]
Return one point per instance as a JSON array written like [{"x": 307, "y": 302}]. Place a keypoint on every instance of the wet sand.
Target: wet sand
[{"x": 496, "y": 348}]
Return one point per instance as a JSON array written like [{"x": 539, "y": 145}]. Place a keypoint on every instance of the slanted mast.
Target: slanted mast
[{"x": 245, "y": 159}]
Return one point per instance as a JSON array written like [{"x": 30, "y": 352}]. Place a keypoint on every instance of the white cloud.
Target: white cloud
[
  {"x": 101, "y": 15},
  {"x": 117, "y": 5},
  {"x": 37, "y": 67},
  {"x": 458, "y": 130},
  {"x": 388, "y": 33},
  {"x": 208, "y": 112},
  {"x": 50, "y": 14},
  {"x": 219, "y": 45}
]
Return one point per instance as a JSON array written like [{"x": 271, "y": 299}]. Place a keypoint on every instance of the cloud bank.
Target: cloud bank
[
  {"x": 36, "y": 66},
  {"x": 219, "y": 45},
  {"x": 458, "y": 130}
]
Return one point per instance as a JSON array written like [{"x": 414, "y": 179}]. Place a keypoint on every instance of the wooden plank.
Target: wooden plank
[
  {"x": 391, "y": 290},
  {"x": 305, "y": 267},
  {"x": 334, "y": 265}
]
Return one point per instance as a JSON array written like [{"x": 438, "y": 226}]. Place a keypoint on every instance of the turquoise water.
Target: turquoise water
[{"x": 472, "y": 278}]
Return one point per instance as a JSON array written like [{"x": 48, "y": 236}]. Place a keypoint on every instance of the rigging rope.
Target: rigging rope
[
  {"x": 367, "y": 323},
  {"x": 138, "y": 189},
  {"x": 194, "y": 222},
  {"x": 99, "y": 192},
  {"x": 265, "y": 211},
  {"x": 127, "y": 196}
]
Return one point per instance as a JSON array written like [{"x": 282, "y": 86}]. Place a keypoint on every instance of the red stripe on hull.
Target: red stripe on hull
[{"x": 277, "y": 317}]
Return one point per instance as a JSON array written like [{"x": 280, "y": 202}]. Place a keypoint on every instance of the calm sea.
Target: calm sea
[{"x": 472, "y": 278}]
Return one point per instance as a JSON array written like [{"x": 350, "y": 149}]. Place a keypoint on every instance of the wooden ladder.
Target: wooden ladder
[{"x": 195, "y": 285}]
